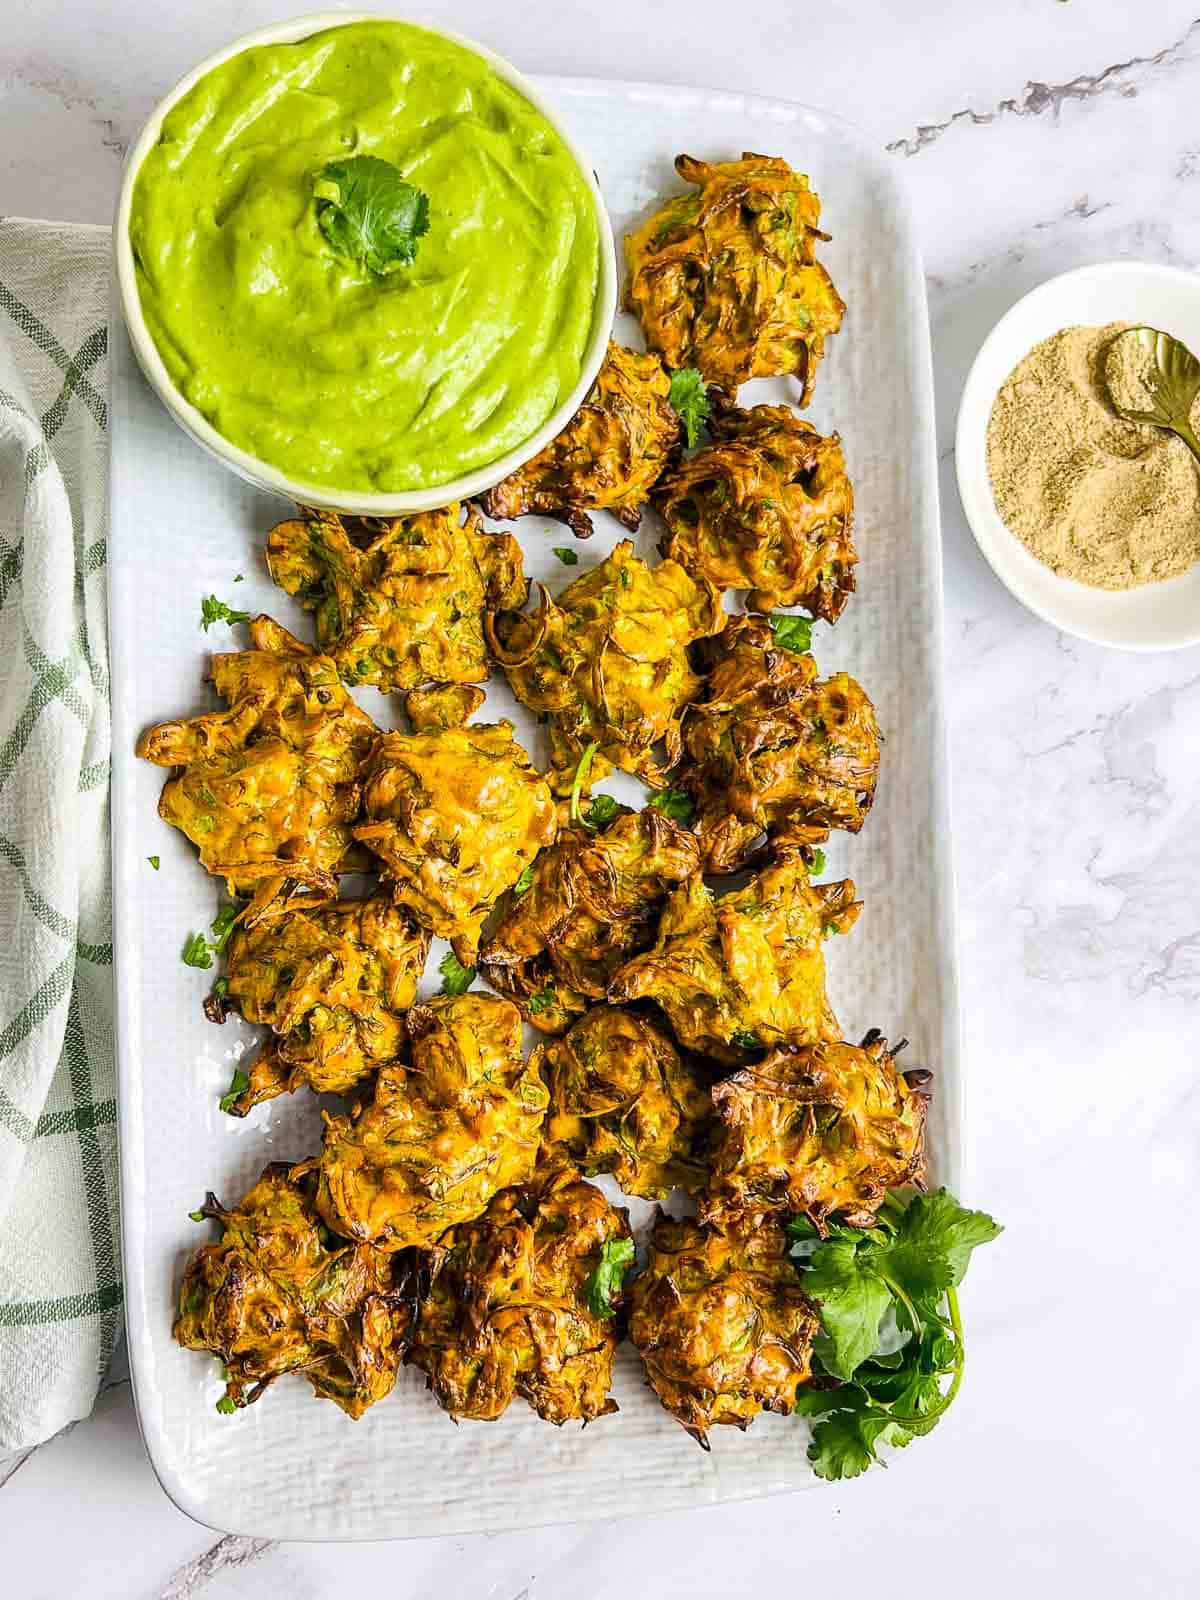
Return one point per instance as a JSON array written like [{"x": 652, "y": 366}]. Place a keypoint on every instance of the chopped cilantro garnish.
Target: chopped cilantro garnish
[
  {"x": 196, "y": 952},
  {"x": 542, "y": 1001},
  {"x": 238, "y": 1086},
  {"x": 792, "y": 633},
  {"x": 568, "y": 557},
  {"x": 198, "y": 1216},
  {"x": 602, "y": 809},
  {"x": 227, "y": 1406},
  {"x": 199, "y": 951},
  {"x": 222, "y": 927},
  {"x": 603, "y": 1283},
  {"x": 817, "y": 865},
  {"x": 675, "y": 804},
  {"x": 456, "y": 979},
  {"x": 370, "y": 214},
  {"x": 214, "y": 610},
  {"x": 525, "y": 882},
  {"x": 154, "y": 862}
]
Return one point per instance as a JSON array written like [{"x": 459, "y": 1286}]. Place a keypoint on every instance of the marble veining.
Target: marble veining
[
  {"x": 1039, "y": 98},
  {"x": 1067, "y": 1465}
]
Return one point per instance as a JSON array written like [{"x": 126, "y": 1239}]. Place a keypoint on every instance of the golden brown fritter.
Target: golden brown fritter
[
  {"x": 333, "y": 984},
  {"x": 727, "y": 279},
  {"x": 439, "y": 1136},
  {"x": 768, "y": 748},
  {"x": 591, "y": 902},
  {"x": 722, "y": 1325},
  {"x": 508, "y": 1312},
  {"x": 406, "y": 607},
  {"x": 606, "y": 663},
  {"x": 746, "y": 971},
  {"x": 623, "y": 1101},
  {"x": 766, "y": 507},
  {"x": 442, "y": 705},
  {"x": 608, "y": 457},
  {"x": 275, "y": 1294},
  {"x": 824, "y": 1129},
  {"x": 267, "y": 790},
  {"x": 455, "y": 817}
]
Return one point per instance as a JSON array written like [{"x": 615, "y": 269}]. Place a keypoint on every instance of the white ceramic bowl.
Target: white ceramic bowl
[
  {"x": 249, "y": 466},
  {"x": 1156, "y": 616}
]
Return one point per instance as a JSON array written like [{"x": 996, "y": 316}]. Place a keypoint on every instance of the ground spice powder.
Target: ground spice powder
[{"x": 1109, "y": 503}]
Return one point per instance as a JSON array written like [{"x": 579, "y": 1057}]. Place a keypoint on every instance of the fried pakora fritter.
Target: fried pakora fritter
[
  {"x": 824, "y": 1129},
  {"x": 769, "y": 748},
  {"x": 623, "y": 1101},
  {"x": 333, "y": 984},
  {"x": 275, "y": 1294},
  {"x": 722, "y": 1325},
  {"x": 608, "y": 457},
  {"x": 727, "y": 279},
  {"x": 455, "y": 817},
  {"x": 591, "y": 903},
  {"x": 766, "y": 507},
  {"x": 442, "y": 705},
  {"x": 438, "y": 1136},
  {"x": 267, "y": 790},
  {"x": 606, "y": 663},
  {"x": 508, "y": 1313},
  {"x": 746, "y": 971},
  {"x": 406, "y": 607}
]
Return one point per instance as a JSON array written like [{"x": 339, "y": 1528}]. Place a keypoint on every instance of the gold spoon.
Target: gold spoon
[{"x": 1172, "y": 384}]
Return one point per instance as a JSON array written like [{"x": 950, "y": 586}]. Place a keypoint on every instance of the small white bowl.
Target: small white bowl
[
  {"x": 1155, "y": 616},
  {"x": 260, "y": 472}
]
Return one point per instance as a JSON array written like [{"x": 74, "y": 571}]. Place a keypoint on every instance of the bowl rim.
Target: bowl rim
[
  {"x": 994, "y": 539},
  {"x": 243, "y": 462}
]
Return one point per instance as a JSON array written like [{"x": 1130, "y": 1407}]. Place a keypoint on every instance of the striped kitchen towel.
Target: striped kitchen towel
[{"x": 60, "y": 1273}]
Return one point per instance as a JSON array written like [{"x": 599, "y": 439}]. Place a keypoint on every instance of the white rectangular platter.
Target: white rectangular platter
[{"x": 182, "y": 527}]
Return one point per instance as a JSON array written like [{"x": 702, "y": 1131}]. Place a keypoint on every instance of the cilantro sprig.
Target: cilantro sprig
[
  {"x": 689, "y": 397},
  {"x": 603, "y": 1284},
  {"x": 369, "y": 213},
  {"x": 904, "y": 1271}
]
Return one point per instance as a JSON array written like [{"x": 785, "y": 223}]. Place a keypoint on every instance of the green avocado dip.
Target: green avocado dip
[{"x": 312, "y": 362}]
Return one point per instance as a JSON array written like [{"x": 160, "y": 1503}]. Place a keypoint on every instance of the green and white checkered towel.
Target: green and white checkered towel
[{"x": 60, "y": 1273}]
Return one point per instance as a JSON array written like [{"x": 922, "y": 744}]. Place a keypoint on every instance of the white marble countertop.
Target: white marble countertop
[{"x": 1036, "y": 136}]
